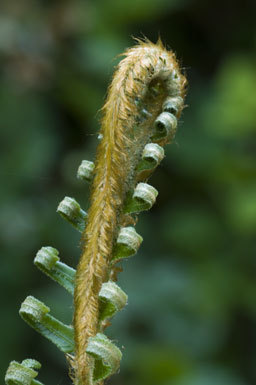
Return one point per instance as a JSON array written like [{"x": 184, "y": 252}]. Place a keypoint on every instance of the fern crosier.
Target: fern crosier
[
  {"x": 145, "y": 99},
  {"x": 147, "y": 77}
]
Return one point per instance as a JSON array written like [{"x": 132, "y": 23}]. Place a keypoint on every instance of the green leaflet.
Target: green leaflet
[
  {"x": 173, "y": 104},
  {"x": 143, "y": 198},
  {"x": 71, "y": 211},
  {"x": 112, "y": 299},
  {"x": 164, "y": 126},
  {"x": 35, "y": 313},
  {"x": 47, "y": 260},
  {"x": 127, "y": 244},
  {"x": 152, "y": 155},
  {"x": 22, "y": 374},
  {"x": 85, "y": 170},
  {"x": 107, "y": 356}
]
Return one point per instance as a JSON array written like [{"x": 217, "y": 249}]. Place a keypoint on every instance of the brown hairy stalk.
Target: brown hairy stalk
[{"x": 143, "y": 79}]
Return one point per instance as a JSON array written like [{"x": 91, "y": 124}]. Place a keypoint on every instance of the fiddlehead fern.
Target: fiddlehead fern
[
  {"x": 146, "y": 86},
  {"x": 145, "y": 100}
]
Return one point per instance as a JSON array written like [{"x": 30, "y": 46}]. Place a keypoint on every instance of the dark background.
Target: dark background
[{"x": 191, "y": 318}]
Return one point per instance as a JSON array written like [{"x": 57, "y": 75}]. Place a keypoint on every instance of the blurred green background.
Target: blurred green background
[{"x": 191, "y": 318}]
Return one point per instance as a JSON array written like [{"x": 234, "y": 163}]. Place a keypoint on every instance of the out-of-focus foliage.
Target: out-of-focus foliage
[{"x": 192, "y": 289}]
